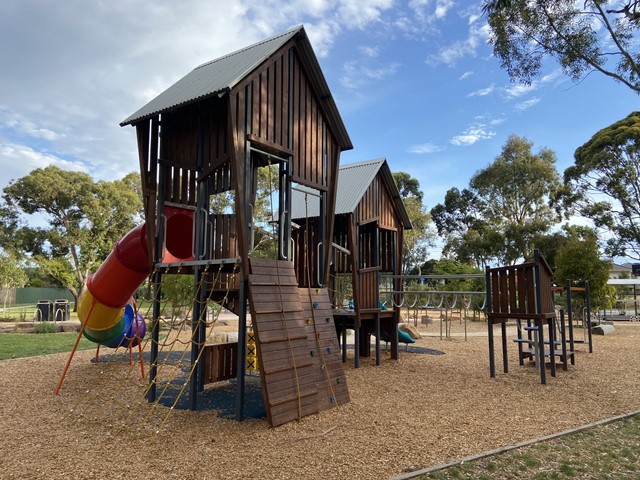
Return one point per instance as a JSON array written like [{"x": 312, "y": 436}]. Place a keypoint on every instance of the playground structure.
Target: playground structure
[
  {"x": 370, "y": 220},
  {"x": 263, "y": 107},
  {"x": 524, "y": 292},
  {"x": 430, "y": 297},
  {"x": 627, "y": 308}
]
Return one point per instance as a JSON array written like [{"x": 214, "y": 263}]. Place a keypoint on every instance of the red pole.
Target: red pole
[{"x": 75, "y": 347}]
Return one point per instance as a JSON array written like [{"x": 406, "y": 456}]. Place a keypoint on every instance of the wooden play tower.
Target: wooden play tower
[
  {"x": 370, "y": 221},
  {"x": 208, "y": 134}
]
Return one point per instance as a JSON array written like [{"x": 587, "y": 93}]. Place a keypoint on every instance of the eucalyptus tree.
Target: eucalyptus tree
[
  {"x": 505, "y": 210},
  {"x": 605, "y": 184},
  {"x": 583, "y": 37},
  {"x": 66, "y": 223}
]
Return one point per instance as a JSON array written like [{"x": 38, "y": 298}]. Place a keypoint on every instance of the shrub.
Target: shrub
[{"x": 46, "y": 327}]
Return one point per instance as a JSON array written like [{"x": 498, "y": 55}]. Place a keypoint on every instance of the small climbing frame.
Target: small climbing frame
[{"x": 292, "y": 364}]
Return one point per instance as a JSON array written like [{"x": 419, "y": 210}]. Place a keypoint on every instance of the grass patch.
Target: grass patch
[
  {"x": 604, "y": 452},
  {"x": 17, "y": 345}
]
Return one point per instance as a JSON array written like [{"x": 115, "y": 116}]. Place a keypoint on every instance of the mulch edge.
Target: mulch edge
[{"x": 526, "y": 443}]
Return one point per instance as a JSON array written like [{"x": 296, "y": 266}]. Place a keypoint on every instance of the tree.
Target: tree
[
  {"x": 582, "y": 36},
  {"x": 417, "y": 240},
  {"x": 83, "y": 221},
  {"x": 605, "y": 184},
  {"x": 506, "y": 208},
  {"x": 11, "y": 276},
  {"x": 579, "y": 260}
]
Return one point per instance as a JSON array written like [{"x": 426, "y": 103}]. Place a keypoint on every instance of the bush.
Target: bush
[{"x": 45, "y": 327}]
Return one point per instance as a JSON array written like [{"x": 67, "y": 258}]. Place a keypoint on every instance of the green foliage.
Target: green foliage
[
  {"x": 45, "y": 327},
  {"x": 605, "y": 184},
  {"x": 581, "y": 36},
  {"x": 421, "y": 236},
  {"x": 506, "y": 209},
  {"x": 84, "y": 220},
  {"x": 578, "y": 260},
  {"x": 408, "y": 186},
  {"x": 11, "y": 275}
]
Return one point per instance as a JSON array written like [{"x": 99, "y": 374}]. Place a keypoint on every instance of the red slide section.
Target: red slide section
[{"x": 108, "y": 291}]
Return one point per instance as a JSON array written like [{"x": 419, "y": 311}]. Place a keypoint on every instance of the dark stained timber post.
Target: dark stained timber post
[
  {"x": 570, "y": 319},
  {"x": 344, "y": 340},
  {"x": 541, "y": 361},
  {"x": 552, "y": 345},
  {"x": 588, "y": 302},
  {"x": 492, "y": 362},
  {"x": 563, "y": 340},
  {"x": 155, "y": 338},
  {"x": 503, "y": 331},
  {"x": 377, "y": 338},
  {"x": 540, "y": 320},
  {"x": 196, "y": 315},
  {"x": 242, "y": 351}
]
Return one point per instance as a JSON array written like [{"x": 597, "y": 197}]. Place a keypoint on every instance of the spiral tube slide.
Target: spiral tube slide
[{"x": 103, "y": 307}]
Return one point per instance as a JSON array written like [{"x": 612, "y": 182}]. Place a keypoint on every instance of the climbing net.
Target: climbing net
[{"x": 115, "y": 386}]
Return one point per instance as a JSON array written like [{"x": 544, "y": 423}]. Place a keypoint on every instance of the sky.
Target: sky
[{"x": 414, "y": 81}]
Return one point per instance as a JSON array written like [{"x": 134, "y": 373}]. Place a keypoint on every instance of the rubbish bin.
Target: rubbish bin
[
  {"x": 43, "y": 312},
  {"x": 61, "y": 310}
]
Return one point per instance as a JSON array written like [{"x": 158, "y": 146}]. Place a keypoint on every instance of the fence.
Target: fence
[{"x": 19, "y": 296}]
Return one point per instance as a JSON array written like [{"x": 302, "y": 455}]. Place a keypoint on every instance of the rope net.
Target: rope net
[{"x": 113, "y": 387}]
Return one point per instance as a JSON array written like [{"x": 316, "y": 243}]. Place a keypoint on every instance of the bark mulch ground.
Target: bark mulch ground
[{"x": 420, "y": 411}]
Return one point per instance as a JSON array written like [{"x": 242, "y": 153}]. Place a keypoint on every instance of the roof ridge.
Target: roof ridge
[
  {"x": 254, "y": 45},
  {"x": 362, "y": 163}
]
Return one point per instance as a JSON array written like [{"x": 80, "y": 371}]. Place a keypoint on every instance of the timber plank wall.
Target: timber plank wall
[{"x": 294, "y": 372}]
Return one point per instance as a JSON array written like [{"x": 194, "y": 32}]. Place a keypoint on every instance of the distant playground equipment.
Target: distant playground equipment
[
  {"x": 427, "y": 296},
  {"x": 626, "y": 308},
  {"x": 582, "y": 321},
  {"x": 524, "y": 293}
]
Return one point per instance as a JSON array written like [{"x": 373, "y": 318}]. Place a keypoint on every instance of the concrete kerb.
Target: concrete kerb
[{"x": 526, "y": 443}]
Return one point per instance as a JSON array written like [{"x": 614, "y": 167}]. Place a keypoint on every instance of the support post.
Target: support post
[
  {"x": 567, "y": 288},
  {"x": 155, "y": 338},
  {"x": 242, "y": 351},
  {"x": 492, "y": 361},
  {"x": 588, "y": 302}
]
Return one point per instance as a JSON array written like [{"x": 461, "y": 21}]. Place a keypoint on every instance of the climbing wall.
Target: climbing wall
[
  {"x": 292, "y": 367},
  {"x": 323, "y": 344}
]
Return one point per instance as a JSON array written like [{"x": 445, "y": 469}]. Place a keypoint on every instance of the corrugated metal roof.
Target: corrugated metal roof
[
  {"x": 353, "y": 181},
  {"x": 213, "y": 77}
]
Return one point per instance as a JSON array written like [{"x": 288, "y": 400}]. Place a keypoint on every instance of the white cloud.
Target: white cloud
[
  {"x": 465, "y": 75},
  {"x": 527, "y": 104},
  {"x": 450, "y": 54},
  {"x": 18, "y": 160},
  {"x": 483, "y": 92},
  {"x": 476, "y": 132},
  {"x": 423, "y": 148},
  {"x": 361, "y": 13},
  {"x": 356, "y": 73},
  {"x": 520, "y": 89},
  {"x": 369, "y": 51},
  {"x": 517, "y": 90},
  {"x": 79, "y": 68}
]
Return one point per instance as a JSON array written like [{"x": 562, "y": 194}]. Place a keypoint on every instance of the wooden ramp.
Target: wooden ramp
[{"x": 300, "y": 368}]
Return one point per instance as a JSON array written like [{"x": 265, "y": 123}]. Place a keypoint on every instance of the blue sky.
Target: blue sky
[{"x": 415, "y": 81}]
